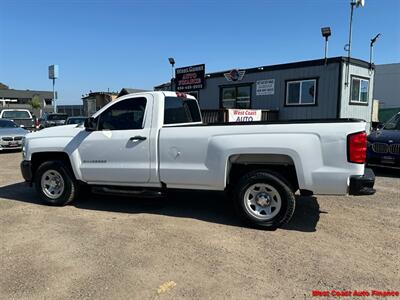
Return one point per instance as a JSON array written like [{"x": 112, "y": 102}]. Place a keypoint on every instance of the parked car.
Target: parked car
[
  {"x": 11, "y": 135},
  {"x": 76, "y": 120},
  {"x": 384, "y": 144},
  {"x": 21, "y": 117},
  {"x": 52, "y": 119},
  {"x": 143, "y": 144}
]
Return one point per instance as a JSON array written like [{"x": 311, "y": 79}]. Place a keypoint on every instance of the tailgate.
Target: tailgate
[{"x": 27, "y": 123}]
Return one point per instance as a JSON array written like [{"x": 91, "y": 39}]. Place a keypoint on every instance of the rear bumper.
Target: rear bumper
[
  {"x": 362, "y": 184},
  {"x": 26, "y": 170}
]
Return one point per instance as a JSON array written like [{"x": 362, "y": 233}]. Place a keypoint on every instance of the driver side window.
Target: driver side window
[{"x": 125, "y": 115}]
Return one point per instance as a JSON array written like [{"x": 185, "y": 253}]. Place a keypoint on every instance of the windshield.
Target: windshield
[
  {"x": 16, "y": 114},
  {"x": 76, "y": 120},
  {"x": 7, "y": 124},
  {"x": 393, "y": 123},
  {"x": 57, "y": 117}
]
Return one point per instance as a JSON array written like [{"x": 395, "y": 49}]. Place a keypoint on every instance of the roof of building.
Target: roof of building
[
  {"x": 387, "y": 68},
  {"x": 126, "y": 91},
  {"x": 299, "y": 64},
  {"x": 94, "y": 94},
  {"x": 11, "y": 93},
  {"x": 3, "y": 86},
  {"x": 163, "y": 86}
]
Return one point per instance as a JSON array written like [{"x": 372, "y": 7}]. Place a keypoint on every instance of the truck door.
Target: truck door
[{"x": 118, "y": 151}]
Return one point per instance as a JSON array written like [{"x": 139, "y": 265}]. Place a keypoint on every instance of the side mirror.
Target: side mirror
[{"x": 90, "y": 124}]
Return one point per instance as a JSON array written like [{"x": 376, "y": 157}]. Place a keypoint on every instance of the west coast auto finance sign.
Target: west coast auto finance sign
[
  {"x": 244, "y": 115},
  {"x": 190, "y": 78}
]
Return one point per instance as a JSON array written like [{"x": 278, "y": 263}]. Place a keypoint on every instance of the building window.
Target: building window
[
  {"x": 236, "y": 97},
  {"x": 301, "y": 92},
  {"x": 359, "y": 90},
  {"x": 24, "y": 100},
  {"x": 48, "y": 101}
]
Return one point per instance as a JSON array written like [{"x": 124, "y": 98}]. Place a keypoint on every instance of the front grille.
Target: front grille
[
  {"x": 394, "y": 149},
  {"x": 380, "y": 147},
  {"x": 10, "y": 146},
  {"x": 10, "y": 138}
]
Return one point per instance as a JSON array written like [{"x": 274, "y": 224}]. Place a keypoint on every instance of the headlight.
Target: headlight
[{"x": 23, "y": 148}]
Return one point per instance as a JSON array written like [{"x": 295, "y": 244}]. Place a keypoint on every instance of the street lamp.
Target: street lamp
[
  {"x": 172, "y": 62},
  {"x": 371, "y": 49},
  {"x": 326, "y": 33},
  {"x": 353, "y": 3}
]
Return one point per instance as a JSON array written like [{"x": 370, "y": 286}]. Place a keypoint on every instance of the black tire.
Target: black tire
[
  {"x": 70, "y": 186},
  {"x": 287, "y": 199}
]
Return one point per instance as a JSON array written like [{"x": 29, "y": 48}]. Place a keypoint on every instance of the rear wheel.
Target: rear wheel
[
  {"x": 262, "y": 199},
  {"x": 55, "y": 183}
]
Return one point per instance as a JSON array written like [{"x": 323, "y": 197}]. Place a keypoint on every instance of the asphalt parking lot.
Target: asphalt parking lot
[{"x": 190, "y": 245}]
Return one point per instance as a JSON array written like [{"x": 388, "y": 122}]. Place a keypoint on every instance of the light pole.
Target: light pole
[
  {"x": 326, "y": 33},
  {"x": 353, "y": 3},
  {"x": 371, "y": 49},
  {"x": 172, "y": 62},
  {"x": 53, "y": 75}
]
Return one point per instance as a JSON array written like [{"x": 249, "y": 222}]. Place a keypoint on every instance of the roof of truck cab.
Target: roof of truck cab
[{"x": 163, "y": 93}]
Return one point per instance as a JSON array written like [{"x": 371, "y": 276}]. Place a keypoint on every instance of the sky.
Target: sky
[{"x": 103, "y": 45}]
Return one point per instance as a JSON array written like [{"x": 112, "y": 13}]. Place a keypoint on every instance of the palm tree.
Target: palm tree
[{"x": 35, "y": 102}]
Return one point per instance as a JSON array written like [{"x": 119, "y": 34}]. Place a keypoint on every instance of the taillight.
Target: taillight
[{"x": 357, "y": 147}]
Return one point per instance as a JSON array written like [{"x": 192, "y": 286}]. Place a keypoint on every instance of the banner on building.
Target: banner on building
[
  {"x": 190, "y": 78},
  {"x": 265, "y": 87},
  {"x": 244, "y": 115}
]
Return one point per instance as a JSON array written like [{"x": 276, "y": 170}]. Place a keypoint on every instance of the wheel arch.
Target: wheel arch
[
  {"x": 281, "y": 165},
  {"x": 38, "y": 158}
]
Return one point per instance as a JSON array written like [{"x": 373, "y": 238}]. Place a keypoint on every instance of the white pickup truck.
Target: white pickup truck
[{"x": 143, "y": 144}]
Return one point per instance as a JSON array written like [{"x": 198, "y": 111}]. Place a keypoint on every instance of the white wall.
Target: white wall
[
  {"x": 387, "y": 85},
  {"x": 358, "y": 111}
]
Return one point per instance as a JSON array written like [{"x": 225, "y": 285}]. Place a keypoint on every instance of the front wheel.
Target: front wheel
[
  {"x": 55, "y": 183},
  {"x": 262, "y": 199}
]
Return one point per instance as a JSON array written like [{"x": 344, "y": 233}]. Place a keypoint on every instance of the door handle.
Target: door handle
[{"x": 138, "y": 138}]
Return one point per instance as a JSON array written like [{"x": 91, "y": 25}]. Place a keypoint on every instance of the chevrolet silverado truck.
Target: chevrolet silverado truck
[
  {"x": 144, "y": 144},
  {"x": 21, "y": 117}
]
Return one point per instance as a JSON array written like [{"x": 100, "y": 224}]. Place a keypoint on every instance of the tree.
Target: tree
[{"x": 35, "y": 102}]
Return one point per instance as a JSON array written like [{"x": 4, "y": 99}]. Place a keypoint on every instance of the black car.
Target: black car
[
  {"x": 52, "y": 119},
  {"x": 384, "y": 144}
]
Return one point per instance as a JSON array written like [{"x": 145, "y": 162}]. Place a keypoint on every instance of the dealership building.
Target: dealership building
[{"x": 314, "y": 89}]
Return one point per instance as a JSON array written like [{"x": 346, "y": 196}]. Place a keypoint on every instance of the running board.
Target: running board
[{"x": 122, "y": 191}]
